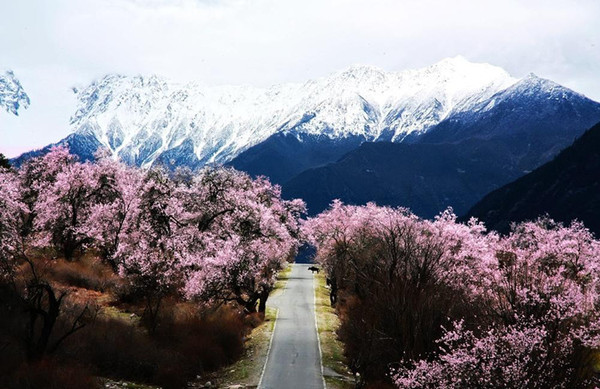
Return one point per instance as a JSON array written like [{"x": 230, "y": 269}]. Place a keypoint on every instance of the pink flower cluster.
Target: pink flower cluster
[
  {"x": 216, "y": 234},
  {"x": 533, "y": 316}
]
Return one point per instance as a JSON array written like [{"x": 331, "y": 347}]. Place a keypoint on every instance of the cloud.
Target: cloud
[{"x": 57, "y": 44}]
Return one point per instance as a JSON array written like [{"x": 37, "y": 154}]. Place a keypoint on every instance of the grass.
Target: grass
[
  {"x": 116, "y": 313},
  {"x": 110, "y": 384},
  {"x": 114, "y": 309},
  {"x": 282, "y": 278},
  {"x": 248, "y": 369},
  {"x": 332, "y": 350}
]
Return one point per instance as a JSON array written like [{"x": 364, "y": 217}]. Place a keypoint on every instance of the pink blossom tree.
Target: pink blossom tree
[
  {"x": 151, "y": 248},
  {"x": 522, "y": 308},
  {"x": 10, "y": 224},
  {"x": 404, "y": 273},
  {"x": 22, "y": 286},
  {"x": 36, "y": 175},
  {"x": 116, "y": 206},
  {"x": 541, "y": 309},
  {"x": 241, "y": 233},
  {"x": 215, "y": 236},
  {"x": 63, "y": 208}
]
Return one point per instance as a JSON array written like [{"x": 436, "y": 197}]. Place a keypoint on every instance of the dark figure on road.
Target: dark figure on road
[{"x": 314, "y": 269}]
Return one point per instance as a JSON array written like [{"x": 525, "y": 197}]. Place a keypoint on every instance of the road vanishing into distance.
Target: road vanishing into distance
[{"x": 294, "y": 358}]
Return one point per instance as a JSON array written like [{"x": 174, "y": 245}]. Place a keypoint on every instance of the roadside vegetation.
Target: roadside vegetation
[
  {"x": 335, "y": 369},
  {"x": 440, "y": 304},
  {"x": 119, "y": 277}
]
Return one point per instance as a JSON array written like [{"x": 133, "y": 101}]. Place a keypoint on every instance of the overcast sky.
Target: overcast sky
[{"x": 53, "y": 45}]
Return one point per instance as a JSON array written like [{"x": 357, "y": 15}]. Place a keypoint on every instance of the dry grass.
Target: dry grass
[
  {"x": 332, "y": 349},
  {"x": 118, "y": 350},
  {"x": 282, "y": 278},
  {"x": 86, "y": 273},
  {"x": 89, "y": 282}
]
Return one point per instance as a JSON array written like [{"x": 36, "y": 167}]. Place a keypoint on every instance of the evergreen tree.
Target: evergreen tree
[{"x": 4, "y": 162}]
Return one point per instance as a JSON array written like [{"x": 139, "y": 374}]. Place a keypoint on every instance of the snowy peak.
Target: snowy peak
[
  {"x": 461, "y": 83},
  {"x": 523, "y": 111},
  {"x": 533, "y": 85},
  {"x": 114, "y": 91},
  {"x": 141, "y": 118},
  {"x": 538, "y": 92},
  {"x": 360, "y": 74},
  {"x": 12, "y": 94}
]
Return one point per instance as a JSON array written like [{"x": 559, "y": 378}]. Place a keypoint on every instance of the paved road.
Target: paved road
[{"x": 294, "y": 360}]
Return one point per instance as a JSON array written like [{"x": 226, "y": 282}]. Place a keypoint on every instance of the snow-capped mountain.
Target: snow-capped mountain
[
  {"x": 543, "y": 98},
  {"x": 454, "y": 163},
  {"x": 12, "y": 94},
  {"x": 445, "y": 135},
  {"x": 145, "y": 119}
]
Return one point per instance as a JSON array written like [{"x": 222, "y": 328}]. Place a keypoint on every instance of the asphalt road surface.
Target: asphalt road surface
[{"x": 294, "y": 359}]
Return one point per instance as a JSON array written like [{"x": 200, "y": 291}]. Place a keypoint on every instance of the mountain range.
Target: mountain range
[
  {"x": 12, "y": 94},
  {"x": 444, "y": 135},
  {"x": 458, "y": 161},
  {"x": 149, "y": 119}
]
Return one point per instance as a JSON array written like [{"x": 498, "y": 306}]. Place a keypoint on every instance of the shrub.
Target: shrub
[
  {"x": 48, "y": 374},
  {"x": 181, "y": 347},
  {"x": 87, "y": 273}
]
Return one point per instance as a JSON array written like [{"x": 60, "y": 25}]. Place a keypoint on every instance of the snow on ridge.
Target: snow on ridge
[
  {"x": 12, "y": 94},
  {"x": 138, "y": 118}
]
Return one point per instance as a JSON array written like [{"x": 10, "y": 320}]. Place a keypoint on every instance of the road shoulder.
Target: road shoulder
[{"x": 335, "y": 370}]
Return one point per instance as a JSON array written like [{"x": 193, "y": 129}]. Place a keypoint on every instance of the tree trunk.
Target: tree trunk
[
  {"x": 150, "y": 315},
  {"x": 37, "y": 349},
  {"x": 333, "y": 292},
  {"x": 69, "y": 251},
  {"x": 262, "y": 306},
  {"x": 250, "y": 305}
]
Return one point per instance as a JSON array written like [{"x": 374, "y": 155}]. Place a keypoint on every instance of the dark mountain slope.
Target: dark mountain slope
[
  {"x": 566, "y": 188},
  {"x": 86, "y": 146},
  {"x": 505, "y": 137},
  {"x": 427, "y": 178},
  {"x": 282, "y": 156},
  {"x": 537, "y": 117}
]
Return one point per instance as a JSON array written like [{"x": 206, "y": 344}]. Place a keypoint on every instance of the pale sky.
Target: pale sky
[{"x": 54, "y": 45}]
